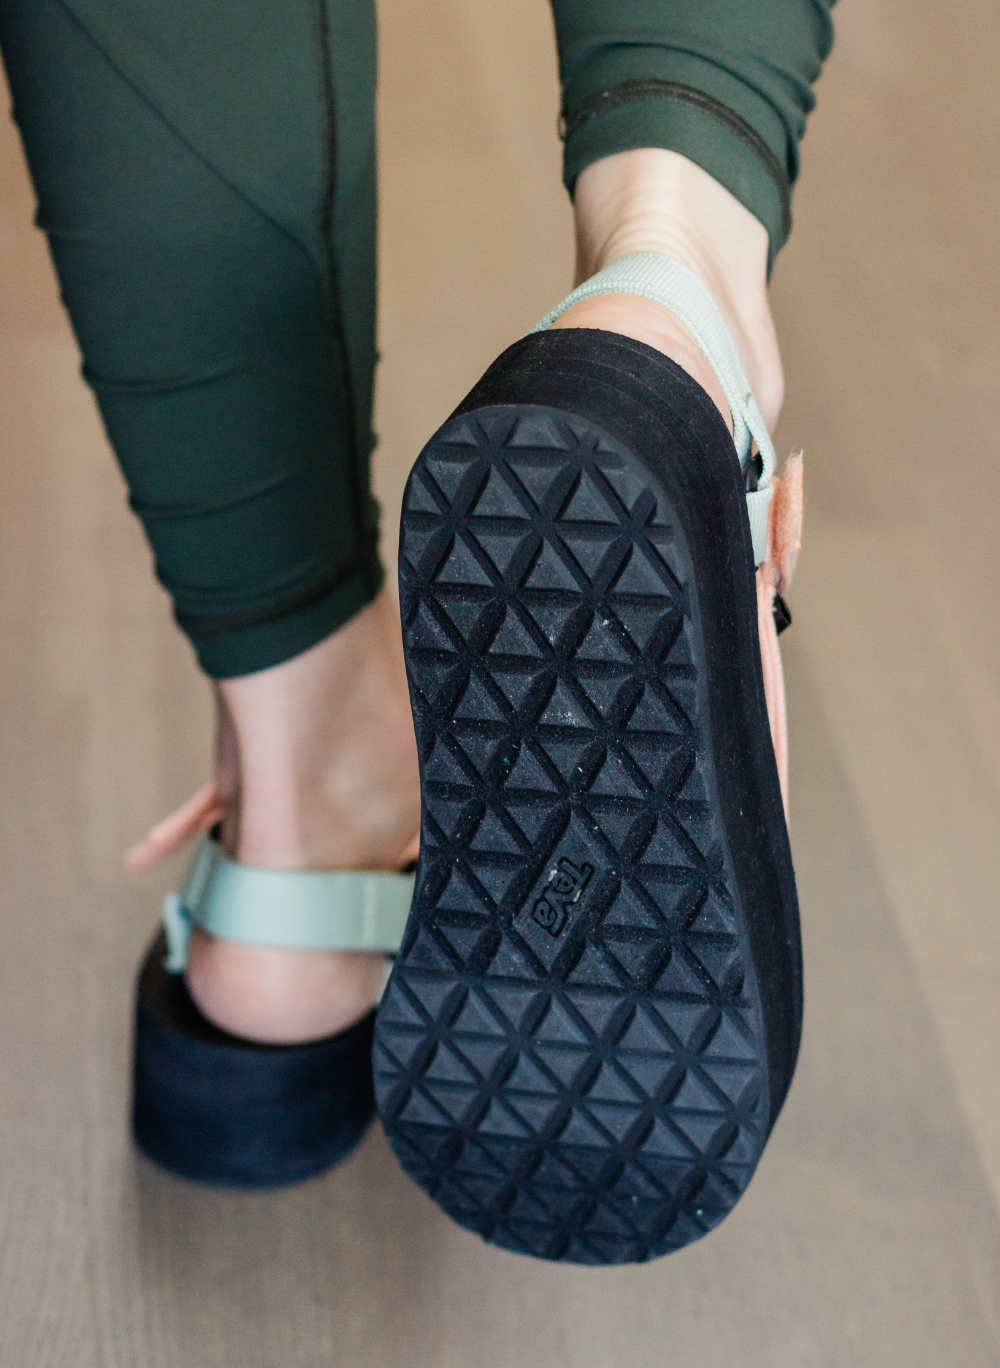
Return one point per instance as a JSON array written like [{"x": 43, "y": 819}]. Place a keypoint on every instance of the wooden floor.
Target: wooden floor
[{"x": 871, "y": 1234}]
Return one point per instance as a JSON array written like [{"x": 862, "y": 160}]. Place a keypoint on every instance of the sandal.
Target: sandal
[
  {"x": 595, "y": 1012},
  {"x": 233, "y": 1113}
]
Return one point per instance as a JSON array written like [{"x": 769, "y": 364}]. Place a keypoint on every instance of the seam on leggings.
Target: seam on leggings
[
  {"x": 192, "y": 147},
  {"x": 333, "y": 312},
  {"x": 202, "y": 625},
  {"x": 652, "y": 88}
]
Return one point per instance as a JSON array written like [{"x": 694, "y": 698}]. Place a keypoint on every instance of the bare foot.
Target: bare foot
[{"x": 316, "y": 764}]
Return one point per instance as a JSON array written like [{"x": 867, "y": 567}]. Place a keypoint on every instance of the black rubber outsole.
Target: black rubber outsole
[
  {"x": 219, "y": 1110},
  {"x": 594, "y": 1016}
]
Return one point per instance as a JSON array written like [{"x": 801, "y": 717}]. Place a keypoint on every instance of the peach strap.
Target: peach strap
[
  {"x": 196, "y": 816},
  {"x": 774, "y": 574}
]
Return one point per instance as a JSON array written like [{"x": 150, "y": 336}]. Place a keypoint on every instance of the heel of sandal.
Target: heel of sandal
[{"x": 228, "y": 1112}]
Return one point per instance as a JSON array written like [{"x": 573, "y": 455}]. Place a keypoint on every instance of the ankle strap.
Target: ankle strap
[
  {"x": 668, "y": 282},
  {"x": 298, "y": 908}
]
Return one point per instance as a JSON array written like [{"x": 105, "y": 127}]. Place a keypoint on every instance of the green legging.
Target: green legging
[{"x": 205, "y": 172}]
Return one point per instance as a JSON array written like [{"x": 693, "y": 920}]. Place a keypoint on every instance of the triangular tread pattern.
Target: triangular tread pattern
[{"x": 571, "y": 1056}]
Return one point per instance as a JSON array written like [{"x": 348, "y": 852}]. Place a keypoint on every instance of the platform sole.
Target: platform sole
[
  {"x": 594, "y": 1015},
  {"x": 230, "y": 1113}
]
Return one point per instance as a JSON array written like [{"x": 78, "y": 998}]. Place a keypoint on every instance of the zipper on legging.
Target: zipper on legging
[{"x": 653, "y": 89}]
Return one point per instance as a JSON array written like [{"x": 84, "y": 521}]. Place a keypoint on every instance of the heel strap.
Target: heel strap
[
  {"x": 298, "y": 909},
  {"x": 668, "y": 282}
]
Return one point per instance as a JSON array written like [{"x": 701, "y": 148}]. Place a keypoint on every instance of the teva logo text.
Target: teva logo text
[{"x": 564, "y": 888}]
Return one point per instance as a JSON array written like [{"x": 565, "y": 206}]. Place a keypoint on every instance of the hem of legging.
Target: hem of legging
[
  {"x": 226, "y": 655},
  {"x": 695, "y": 132}
]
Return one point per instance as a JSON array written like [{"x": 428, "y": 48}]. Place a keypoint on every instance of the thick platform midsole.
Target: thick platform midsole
[{"x": 605, "y": 898}]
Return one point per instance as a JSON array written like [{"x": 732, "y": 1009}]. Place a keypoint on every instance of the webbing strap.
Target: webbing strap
[
  {"x": 301, "y": 909},
  {"x": 667, "y": 281}
]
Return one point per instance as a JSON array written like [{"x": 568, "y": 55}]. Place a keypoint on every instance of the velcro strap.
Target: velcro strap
[{"x": 286, "y": 908}]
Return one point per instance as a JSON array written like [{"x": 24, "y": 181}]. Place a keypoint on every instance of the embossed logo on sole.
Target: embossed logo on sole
[{"x": 563, "y": 890}]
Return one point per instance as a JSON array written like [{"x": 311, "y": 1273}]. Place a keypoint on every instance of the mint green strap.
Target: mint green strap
[
  {"x": 300, "y": 909},
  {"x": 667, "y": 281}
]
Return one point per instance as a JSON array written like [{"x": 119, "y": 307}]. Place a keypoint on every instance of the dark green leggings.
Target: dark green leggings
[{"x": 205, "y": 172}]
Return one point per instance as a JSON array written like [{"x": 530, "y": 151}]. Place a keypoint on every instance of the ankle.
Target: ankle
[
  {"x": 327, "y": 759},
  {"x": 353, "y": 804},
  {"x": 652, "y": 200},
  {"x": 316, "y": 763}
]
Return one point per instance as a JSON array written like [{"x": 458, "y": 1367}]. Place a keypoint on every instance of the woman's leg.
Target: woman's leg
[{"x": 205, "y": 174}]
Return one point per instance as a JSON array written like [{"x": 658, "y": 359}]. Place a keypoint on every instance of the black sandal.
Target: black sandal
[
  {"x": 225, "y": 1111},
  {"x": 594, "y": 1016}
]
